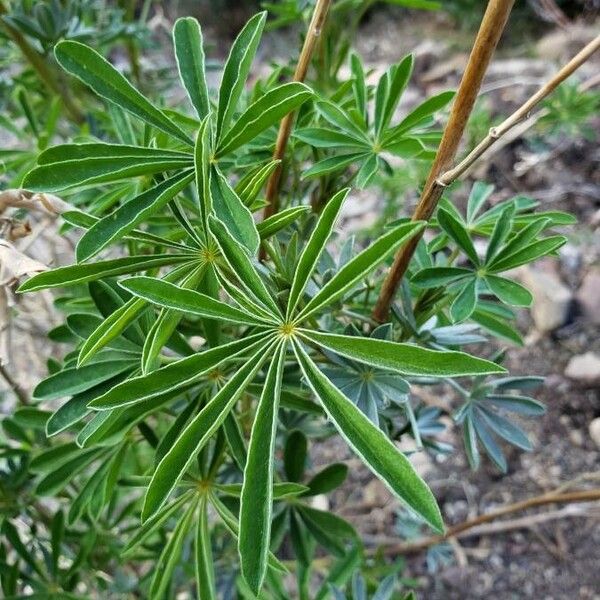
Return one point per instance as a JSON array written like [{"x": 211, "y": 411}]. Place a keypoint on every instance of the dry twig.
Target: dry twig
[
  {"x": 45, "y": 203},
  {"x": 476, "y": 524}
]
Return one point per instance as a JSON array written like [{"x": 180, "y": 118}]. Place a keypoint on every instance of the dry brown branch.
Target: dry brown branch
[
  {"x": 285, "y": 127},
  {"x": 489, "y": 33},
  {"x": 45, "y": 203},
  {"x": 476, "y": 524}
]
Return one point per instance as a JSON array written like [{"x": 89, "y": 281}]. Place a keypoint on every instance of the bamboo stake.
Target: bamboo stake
[
  {"x": 285, "y": 127},
  {"x": 490, "y": 30}
]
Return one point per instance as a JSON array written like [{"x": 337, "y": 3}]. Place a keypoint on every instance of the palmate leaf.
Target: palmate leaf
[
  {"x": 257, "y": 492},
  {"x": 98, "y": 74},
  {"x": 189, "y": 51},
  {"x": 371, "y": 444},
  {"x": 127, "y": 216},
  {"x": 172, "y": 467}
]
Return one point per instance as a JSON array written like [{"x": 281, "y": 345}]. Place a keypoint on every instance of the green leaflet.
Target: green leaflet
[
  {"x": 169, "y": 557},
  {"x": 327, "y": 480},
  {"x": 280, "y": 490},
  {"x": 328, "y": 529},
  {"x": 237, "y": 68},
  {"x": 98, "y": 74},
  {"x": 86, "y": 221},
  {"x": 166, "y": 324},
  {"x": 407, "y": 359},
  {"x": 71, "y": 152},
  {"x": 320, "y": 137},
  {"x": 75, "y": 274},
  {"x": 528, "y": 253},
  {"x": 371, "y": 444},
  {"x": 128, "y": 215},
  {"x": 423, "y": 111},
  {"x": 76, "y": 407},
  {"x": 367, "y": 171},
  {"x": 359, "y": 86},
  {"x": 56, "y": 480},
  {"x": 437, "y": 276},
  {"x": 397, "y": 79},
  {"x": 509, "y": 291},
  {"x": 168, "y": 295},
  {"x": 199, "y": 430},
  {"x": 205, "y": 575},
  {"x": 202, "y": 156},
  {"x": 257, "y": 491},
  {"x": 455, "y": 229},
  {"x": 314, "y": 248},
  {"x": 262, "y": 114},
  {"x": 52, "y": 458},
  {"x": 241, "y": 265},
  {"x": 336, "y": 117},
  {"x": 153, "y": 524},
  {"x": 271, "y": 225},
  {"x": 55, "y": 177},
  {"x": 249, "y": 186},
  {"x": 180, "y": 375},
  {"x": 189, "y": 52},
  {"x": 110, "y": 328},
  {"x": 229, "y": 209},
  {"x": 75, "y": 380},
  {"x": 360, "y": 266},
  {"x": 333, "y": 163},
  {"x": 231, "y": 523},
  {"x": 464, "y": 304}
]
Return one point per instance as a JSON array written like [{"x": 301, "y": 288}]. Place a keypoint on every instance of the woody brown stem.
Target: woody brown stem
[
  {"x": 285, "y": 127},
  {"x": 492, "y": 26}
]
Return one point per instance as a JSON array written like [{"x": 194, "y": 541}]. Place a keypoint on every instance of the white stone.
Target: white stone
[{"x": 584, "y": 368}]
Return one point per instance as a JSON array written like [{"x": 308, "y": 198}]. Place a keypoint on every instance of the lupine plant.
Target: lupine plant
[{"x": 175, "y": 433}]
